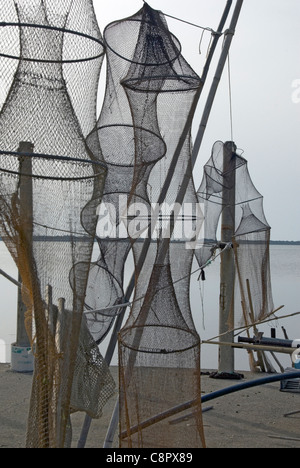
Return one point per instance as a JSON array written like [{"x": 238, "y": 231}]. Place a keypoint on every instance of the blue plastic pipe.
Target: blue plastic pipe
[{"x": 250, "y": 384}]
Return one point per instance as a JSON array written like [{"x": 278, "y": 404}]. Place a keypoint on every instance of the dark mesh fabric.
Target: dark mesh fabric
[{"x": 150, "y": 90}]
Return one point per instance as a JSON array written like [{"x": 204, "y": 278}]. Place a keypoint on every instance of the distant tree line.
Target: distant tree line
[{"x": 285, "y": 242}]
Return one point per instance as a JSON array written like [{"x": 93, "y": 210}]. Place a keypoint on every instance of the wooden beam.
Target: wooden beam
[{"x": 25, "y": 193}]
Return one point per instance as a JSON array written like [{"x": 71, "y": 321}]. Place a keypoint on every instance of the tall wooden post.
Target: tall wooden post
[
  {"x": 26, "y": 208},
  {"x": 226, "y": 353}
]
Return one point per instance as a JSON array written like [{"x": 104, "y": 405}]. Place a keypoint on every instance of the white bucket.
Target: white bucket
[{"x": 22, "y": 359}]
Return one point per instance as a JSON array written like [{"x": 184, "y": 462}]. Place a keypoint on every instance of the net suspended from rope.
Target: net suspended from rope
[
  {"x": 151, "y": 87},
  {"x": 50, "y": 189},
  {"x": 253, "y": 294}
]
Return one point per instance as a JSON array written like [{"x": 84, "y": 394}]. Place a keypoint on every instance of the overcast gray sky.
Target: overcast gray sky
[{"x": 265, "y": 75}]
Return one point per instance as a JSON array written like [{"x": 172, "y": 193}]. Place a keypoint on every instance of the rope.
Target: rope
[
  {"x": 130, "y": 304},
  {"x": 204, "y": 28},
  {"x": 191, "y": 24},
  {"x": 202, "y": 290},
  {"x": 200, "y": 269}
]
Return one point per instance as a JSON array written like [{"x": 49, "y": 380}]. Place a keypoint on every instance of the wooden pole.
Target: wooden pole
[
  {"x": 253, "y": 363},
  {"x": 252, "y": 317},
  {"x": 227, "y": 272},
  {"x": 26, "y": 215}
]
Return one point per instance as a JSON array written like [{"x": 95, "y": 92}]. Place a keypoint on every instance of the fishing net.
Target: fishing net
[
  {"x": 114, "y": 138},
  {"x": 231, "y": 186},
  {"x": 50, "y": 189},
  {"x": 150, "y": 90},
  {"x": 252, "y": 247}
]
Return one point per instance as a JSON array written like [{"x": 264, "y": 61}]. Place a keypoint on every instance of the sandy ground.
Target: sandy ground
[{"x": 249, "y": 419}]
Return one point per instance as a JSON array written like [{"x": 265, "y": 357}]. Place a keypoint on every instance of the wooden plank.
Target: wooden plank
[{"x": 26, "y": 218}]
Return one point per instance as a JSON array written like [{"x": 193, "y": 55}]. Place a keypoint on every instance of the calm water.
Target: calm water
[{"x": 285, "y": 266}]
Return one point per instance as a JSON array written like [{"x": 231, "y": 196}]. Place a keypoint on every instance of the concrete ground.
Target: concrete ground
[{"x": 249, "y": 419}]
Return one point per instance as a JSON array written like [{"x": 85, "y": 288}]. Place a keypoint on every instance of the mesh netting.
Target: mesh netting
[
  {"x": 232, "y": 186},
  {"x": 50, "y": 189},
  {"x": 159, "y": 361},
  {"x": 254, "y": 295},
  {"x": 150, "y": 90}
]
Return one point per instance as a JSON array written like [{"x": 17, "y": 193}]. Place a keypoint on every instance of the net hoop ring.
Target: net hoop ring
[
  {"x": 53, "y": 28},
  {"x": 188, "y": 83},
  {"x": 128, "y": 59},
  {"x": 99, "y": 168},
  {"x": 134, "y": 128},
  {"x": 127, "y": 337}
]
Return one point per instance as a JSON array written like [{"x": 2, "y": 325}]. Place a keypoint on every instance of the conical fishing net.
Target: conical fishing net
[
  {"x": 50, "y": 189},
  {"x": 114, "y": 138},
  {"x": 151, "y": 87},
  {"x": 231, "y": 186}
]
